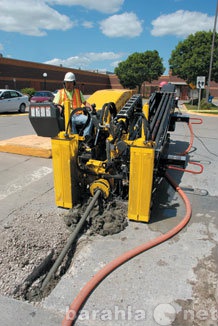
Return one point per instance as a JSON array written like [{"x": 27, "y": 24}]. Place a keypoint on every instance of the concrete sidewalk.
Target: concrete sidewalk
[{"x": 15, "y": 312}]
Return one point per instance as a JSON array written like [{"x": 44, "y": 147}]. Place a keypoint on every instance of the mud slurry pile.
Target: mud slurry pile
[{"x": 111, "y": 220}]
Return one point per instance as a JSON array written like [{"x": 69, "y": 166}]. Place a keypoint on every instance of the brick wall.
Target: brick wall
[{"x": 21, "y": 74}]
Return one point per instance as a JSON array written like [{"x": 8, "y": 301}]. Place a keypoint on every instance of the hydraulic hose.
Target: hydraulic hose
[
  {"x": 187, "y": 170},
  {"x": 197, "y": 121},
  {"x": 76, "y": 305}
]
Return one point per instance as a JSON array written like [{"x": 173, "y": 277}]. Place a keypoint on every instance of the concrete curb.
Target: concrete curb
[
  {"x": 199, "y": 112},
  {"x": 30, "y": 145}
]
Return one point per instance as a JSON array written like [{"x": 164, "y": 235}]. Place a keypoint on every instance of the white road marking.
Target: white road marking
[{"x": 23, "y": 181}]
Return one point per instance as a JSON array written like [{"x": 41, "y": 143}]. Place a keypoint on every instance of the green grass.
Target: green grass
[
  {"x": 205, "y": 107},
  {"x": 204, "y": 111}
]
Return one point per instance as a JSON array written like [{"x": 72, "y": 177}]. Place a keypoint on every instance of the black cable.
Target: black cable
[{"x": 201, "y": 141}]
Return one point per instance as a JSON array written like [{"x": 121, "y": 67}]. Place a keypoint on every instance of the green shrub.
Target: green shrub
[
  {"x": 204, "y": 105},
  {"x": 28, "y": 91},
  {"x": 193, "y": 102}
]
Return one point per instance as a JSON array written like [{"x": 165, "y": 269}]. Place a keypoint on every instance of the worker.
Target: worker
[
  {"x": 162, "y": 84},
  {"x": 177, "y": 102},
  {"x": 76, "y": 98}
]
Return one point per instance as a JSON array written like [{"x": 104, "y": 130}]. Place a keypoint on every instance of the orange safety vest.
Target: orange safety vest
[{"x": 76, "y": 99}]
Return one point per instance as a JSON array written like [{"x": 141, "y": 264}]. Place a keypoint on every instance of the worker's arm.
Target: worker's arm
[
  {"x": 84, "y": 102},
  {"x": 88, "y": 105},
  {"x": 56, "y": 101}
]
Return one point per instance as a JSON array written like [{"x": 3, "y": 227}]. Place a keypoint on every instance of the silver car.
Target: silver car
[{"x": 12, "y": 100}]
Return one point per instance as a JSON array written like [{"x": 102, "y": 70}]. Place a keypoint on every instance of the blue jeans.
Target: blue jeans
[{"x": 78, "y": 120}]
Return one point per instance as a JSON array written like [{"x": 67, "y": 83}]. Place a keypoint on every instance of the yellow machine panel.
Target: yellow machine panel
[
  {"x": 65, "y": 172},
  {"x": 140, "y": 186},
  {"x": 118, "y": 96}
]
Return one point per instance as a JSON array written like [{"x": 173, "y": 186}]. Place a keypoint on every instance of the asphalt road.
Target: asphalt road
[
  {"x": 14, "y": 125},
  {"x": 20, "y": 175},
  {"x": 172, "y": 284}
]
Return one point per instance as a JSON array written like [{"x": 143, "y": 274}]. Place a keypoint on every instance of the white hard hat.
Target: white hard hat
[{"x": 69, "y": 77}]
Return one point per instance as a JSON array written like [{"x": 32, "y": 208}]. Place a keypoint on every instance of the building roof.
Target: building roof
[{"x": 169, "y": 79}]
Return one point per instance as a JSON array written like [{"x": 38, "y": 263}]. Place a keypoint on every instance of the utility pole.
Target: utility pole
[{"x": 211, "y": 55}]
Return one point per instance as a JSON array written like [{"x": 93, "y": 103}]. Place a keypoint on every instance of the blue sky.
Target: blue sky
[{"x": 97, "y": 34}]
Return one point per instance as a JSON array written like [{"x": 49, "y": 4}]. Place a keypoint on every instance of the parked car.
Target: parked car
[
  {"x": 13, "y": 100},
  {"x": 55, "y": 92},
  {"x": 42, "y": 96}
]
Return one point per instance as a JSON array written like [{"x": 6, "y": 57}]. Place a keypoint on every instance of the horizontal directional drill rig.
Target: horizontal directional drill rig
[{"x": 128, "y": 154}]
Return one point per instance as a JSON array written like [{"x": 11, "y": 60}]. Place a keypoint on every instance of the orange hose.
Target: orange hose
[
  {"x": 75, "y": 306},
  {"x": 191, "y": 134},
  {"x": 172, "y": 167},
  {"x": 191, "y": 140},
  {"x": 198, "y": 121}
]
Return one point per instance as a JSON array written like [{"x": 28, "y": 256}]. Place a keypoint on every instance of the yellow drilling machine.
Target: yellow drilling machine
[{"x": 129, "y": 152}]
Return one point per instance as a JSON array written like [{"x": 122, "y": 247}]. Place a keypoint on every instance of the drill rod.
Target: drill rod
[{"x": 70, "y": 240}]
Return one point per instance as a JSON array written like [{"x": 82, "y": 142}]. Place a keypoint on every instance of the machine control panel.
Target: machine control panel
[{"x": 46, "y": 119}]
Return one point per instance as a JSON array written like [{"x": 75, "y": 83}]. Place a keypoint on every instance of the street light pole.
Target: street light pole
[
  {"x": 15, "y": 84},
  {"x": 211, "y": 55},
  {"x": 44, "y": 76}
]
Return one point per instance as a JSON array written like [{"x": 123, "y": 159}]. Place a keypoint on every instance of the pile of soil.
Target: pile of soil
[
  {"x": 31, "y": 243},
  {"x": 25, "y": 244}
]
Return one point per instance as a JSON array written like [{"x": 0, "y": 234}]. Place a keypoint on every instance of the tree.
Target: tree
[
  {"x": 138, "y": 68},
  {"x": 191, "y": 57}
]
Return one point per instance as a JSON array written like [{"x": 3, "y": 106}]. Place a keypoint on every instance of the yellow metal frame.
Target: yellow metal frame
[
  {"x": 140, "y": 183},
  {"x": 64, "y": 154},
  {"x": 66, "y": 174}
]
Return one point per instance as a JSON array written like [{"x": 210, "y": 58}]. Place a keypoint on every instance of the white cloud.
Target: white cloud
[
  {"x": 1, "y": 47},
  {"x": 84, "y": 60},
  {"x": 93, "y": 56},
  {"x": 31, "y": 17},
  {"x": 182, "y": 23},
  {"x": 88, "y": 24},
  {"x": 104, "y": 6},
  {"x": 72, "y": 62},
  {"x": 36, "y": 17},
  {"x": 124, "y": 25},
  {"x": 115, "y": 64}
]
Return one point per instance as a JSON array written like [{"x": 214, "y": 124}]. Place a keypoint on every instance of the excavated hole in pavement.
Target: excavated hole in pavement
[
  {"x": 32, "y": 256},
  {"x": 31, "y": 243}
]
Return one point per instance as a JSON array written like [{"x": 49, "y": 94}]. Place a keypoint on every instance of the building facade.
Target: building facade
[
  {"x": 19, "y": 74},
  {"x": 183, "y": 90}
]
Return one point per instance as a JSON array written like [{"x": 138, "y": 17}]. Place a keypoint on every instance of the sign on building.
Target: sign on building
[{"x": 200, "y": 82}]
